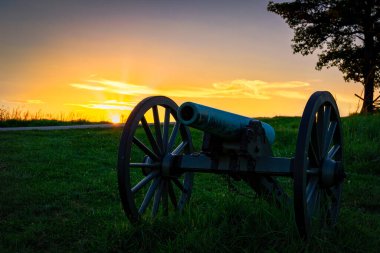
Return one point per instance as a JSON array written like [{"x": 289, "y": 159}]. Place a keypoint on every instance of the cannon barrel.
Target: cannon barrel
[{"x": 217, "y": 122}]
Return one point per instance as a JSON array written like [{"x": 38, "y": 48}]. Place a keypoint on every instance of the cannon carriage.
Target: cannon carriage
[{"x": 157, "y": 162}]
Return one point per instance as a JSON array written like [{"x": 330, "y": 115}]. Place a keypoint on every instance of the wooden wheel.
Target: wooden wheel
[
  {"x": 318, "y": 169},
  {"x": 146, "y": 178}
]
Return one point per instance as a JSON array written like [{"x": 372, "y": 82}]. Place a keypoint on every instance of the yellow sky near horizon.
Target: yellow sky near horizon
[
  {"x": 102, "y": 59},
  {"x": 102, "y": 99}
]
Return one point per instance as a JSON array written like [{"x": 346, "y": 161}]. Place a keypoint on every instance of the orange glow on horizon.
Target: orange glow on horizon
[
  {"x": 99, "y": 99},
  {"x": 115, "y": 118},
  {"x": 256, "y": 98}
]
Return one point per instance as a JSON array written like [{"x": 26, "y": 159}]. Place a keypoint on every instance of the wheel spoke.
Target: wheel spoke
[
  {"x": 313, "y": 155},
  {"x": 166, "y": 129},
  {"x": 331, "y": 154},
  {"x": 322, "y": 126},
  {"x": 323, "y": 207},
  {"x": 143, "y": 165},
  {"x": 147, "y": 137},
  {"x": 329, "y": 137},
  {"x": 148, "y": 196},
  {"x": 313, "y": 207},
  {"x": 315, "y": 143},
  {"x": 180, "y": 148},
  {"x": 310, "y": 188},
  {"x": 319, "y": 139},
  {"x": 157, "y": 127},
  {"x": 312, "y": 192},
  {"x": 145, "y": 149},
  {"x": 179, "y": 185},
  {"x": 312, "y": 171},
  {"x": 333, "y": 192},
  {"x": 326, "y": 118},
  {"x": 172, "y": 194},
  {"x": 149, "y": 134},
  {"x": 173, "y": 136},
  {"x": 165, "y": 198},
  {"x": 157, "y": 198},
  {"x": 324, "y": 129},
  {"x": 144, "y": 181}
]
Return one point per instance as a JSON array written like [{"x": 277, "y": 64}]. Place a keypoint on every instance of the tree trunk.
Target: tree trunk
[
  {"x": 368, "y": 95},
  {"x": 369, "y": 59}
]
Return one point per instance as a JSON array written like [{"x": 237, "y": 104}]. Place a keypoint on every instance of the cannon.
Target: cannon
[{"x": 157, "y": 161}]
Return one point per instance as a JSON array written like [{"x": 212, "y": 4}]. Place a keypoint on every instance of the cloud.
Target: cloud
[
  {"x": 235, "y": 89},
  {"x": 107, "y": 105},
  {"x": 232, "y": 89},
  {"x": 287, "y": 85},
  {"x": 242, "y": 88},
  {"x": 258, "y": 85},
  {"x": 115, "y": 87},
  {"x": 239, "y": 88},
  {"x": 87, "y": 87},
  {"x": 259, "y": 89}
]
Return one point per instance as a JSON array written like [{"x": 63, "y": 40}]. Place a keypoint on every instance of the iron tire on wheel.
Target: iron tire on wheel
[
  {"x": 154, "y": 184},
  {"x": 318, "y": 170}
]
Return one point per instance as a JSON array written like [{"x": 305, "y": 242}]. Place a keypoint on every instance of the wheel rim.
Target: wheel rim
[
  {"x": 318, "y": 171},
  {"x": 146, "y": 178}
]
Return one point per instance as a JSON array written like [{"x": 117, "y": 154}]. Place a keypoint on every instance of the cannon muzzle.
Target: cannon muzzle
[{"x": 217, "y": 122}]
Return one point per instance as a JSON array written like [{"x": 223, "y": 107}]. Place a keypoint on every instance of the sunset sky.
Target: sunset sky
[{"x": 99, "y": 58}]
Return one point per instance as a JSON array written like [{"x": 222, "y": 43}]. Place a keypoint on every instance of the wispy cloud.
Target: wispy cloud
[
  {"x": 115, "y": 87},
  {"x": 259, "y": 89},
  {"x": 235, "y": 89},
  {"x": 239, "y": 88},
  {"x": 87, "y": 87},
  {"x": 107, "y": 105}
]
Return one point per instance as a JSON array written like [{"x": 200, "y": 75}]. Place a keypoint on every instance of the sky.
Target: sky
[{"x": 98, "y": 59}]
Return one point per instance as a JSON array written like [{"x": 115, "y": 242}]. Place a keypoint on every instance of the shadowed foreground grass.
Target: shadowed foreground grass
[{"x": 58, "y": 193}]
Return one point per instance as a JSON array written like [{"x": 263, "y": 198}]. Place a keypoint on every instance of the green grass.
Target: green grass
[{"x": 58, "y": 193}]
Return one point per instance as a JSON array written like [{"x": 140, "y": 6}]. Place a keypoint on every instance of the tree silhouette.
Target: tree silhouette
[{"x": 344, "y": 33}]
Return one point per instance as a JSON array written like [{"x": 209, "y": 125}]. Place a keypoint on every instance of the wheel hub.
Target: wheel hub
[
  {"x": 331, "y": 172},
  {"x": 167, "y": 164}
]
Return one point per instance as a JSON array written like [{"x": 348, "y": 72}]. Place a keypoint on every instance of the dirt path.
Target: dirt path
[{"x": 44, "y": 128}]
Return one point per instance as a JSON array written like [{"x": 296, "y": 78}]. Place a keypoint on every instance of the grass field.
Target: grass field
[
  {"x": 20, "y": 118},
  {"x": 58, "y": 193}
]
